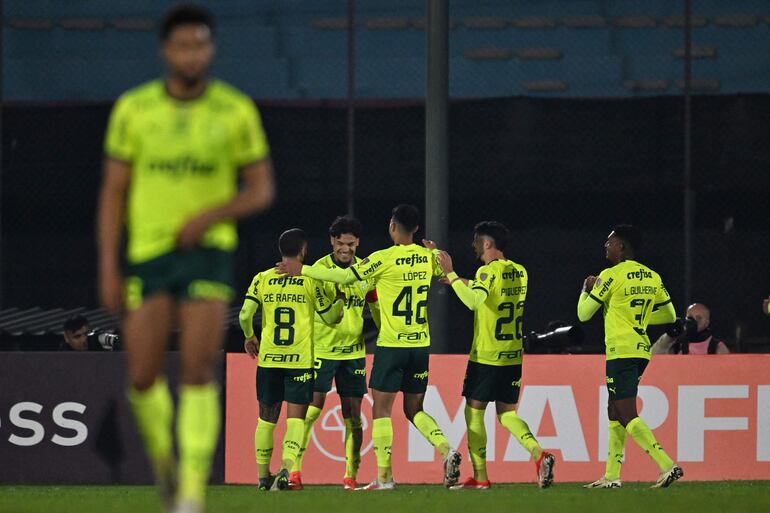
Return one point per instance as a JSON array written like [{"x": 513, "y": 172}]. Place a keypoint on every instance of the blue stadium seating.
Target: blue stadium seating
[{"x": 275, "y": 50}]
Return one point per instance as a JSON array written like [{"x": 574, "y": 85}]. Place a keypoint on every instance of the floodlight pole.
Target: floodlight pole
[
  {"x": 689, "y": 194},
  {"x": 350, "y": 107},
  {"x": 437, "y": 155}
]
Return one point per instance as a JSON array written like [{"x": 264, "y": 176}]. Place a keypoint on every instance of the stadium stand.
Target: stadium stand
[{"x": 297, "y": 49}]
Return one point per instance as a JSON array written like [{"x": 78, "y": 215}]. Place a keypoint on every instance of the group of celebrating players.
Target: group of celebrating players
[
  {"x": 312, "y": 322},
  {"x": 174, "y": 151},
  {"x": 311, "y": 334}
]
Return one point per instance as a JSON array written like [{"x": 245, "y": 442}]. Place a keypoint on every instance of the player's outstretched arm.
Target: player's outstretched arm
[
  {"x": 295, "y": 268},
  {"x": 588, "y": 304},
  {"x": 473, "y": 298}
]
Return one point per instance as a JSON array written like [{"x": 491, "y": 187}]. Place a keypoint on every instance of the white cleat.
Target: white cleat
[
  {"x": 545, "y": 469},
  {"x": 604, "y": 483},
  {"x": 669, "y": 476},
  {"x": 187, "y": 506},
  {"x": 452, "y": 468},
  {"x": 378, "y": 486}
]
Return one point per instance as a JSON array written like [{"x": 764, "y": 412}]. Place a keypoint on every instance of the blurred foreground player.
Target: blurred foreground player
[
  {"x": 175, "y": 149},
  {"x": 633, "y": 297}
]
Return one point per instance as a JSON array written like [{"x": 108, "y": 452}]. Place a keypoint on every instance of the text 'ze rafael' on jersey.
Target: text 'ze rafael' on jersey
[
  {"x": 629, "y": 293},
  {"x": 498, "y": 322},
  {"x": 402, "y": 275},
  {"x": 288, "y": 310}
]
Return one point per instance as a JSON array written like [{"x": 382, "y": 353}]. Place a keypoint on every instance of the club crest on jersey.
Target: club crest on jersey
[{"x": 483, "y": 276}]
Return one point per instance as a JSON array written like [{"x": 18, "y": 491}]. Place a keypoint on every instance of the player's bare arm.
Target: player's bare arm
[
  {"x": 112, "y": 198},
  {"x": 257, "y": 193}
]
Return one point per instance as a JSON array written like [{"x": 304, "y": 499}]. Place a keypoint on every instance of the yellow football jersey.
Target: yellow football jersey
[
  {"x": 343, "y": 341},
  {"x": 498, "y": 322},
  {"x": 402, "y": 275},
  {"x": 184, "y": 158},
  {"x": 628, "y": 292},
  {"x": 288, "y": 310}
]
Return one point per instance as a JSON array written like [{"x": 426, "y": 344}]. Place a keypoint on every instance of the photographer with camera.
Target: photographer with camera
[
  {"x": 690, "y": 335},
  {"x": 79, "y": 337}
]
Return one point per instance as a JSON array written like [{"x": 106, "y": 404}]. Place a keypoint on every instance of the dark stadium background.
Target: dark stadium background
[{"x": 560, "y": 166}]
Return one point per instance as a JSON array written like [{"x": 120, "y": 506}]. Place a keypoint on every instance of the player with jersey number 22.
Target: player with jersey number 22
[{"x": 496, "y": 296}]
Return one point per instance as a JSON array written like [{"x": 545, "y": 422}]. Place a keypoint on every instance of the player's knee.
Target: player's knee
[
  {"x": 410, "y": 410},
  {"x": 142, "y": 383},
  {"x": 141, "y": 378},
  {"x": 351, "y": 407},
  {"x": 270, "y": 412}
]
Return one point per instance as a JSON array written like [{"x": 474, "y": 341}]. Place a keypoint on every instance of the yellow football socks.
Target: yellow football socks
[
  {"x": 263, "y": 446},
  {"x": 477, "y": 442},
  {"x": 615, "y": 446},
  {"x": 518, "y": 428},
  {"x": 643, "y": 436},
  {"x": 382, "y": 437},
  {"x": 430, "y": 430},
  {"x": 154, "y": 413},
  {"x": 292, "y": 442},
  {"x": 310, "y": 418},
  {"x": 353, "y": 438},
  {"x": 197, "y": 432}
]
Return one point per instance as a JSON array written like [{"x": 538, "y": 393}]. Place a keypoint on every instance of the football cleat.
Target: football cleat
[
  {"x": 188, "y": 507},
  {"x": 295, "y": 481},
  {"x": 472, "y": 484},
  {"x": 349, "y": 483},
  {"x": 281, "y": 481},
  {"x": 166, "y": 481},
  {"x": 544, "y": 467},
  {"x": 265, "y": 483},
  {"x": 452, "y": 468},
  {"x": 379, "y": 486},
  {"x": 604, "y": 483},
  {"x": 669, "y": 476}
]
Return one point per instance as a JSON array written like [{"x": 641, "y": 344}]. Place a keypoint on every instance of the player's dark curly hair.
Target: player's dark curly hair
[
  {"x": 291, "y": 242},
  {"x": 630, "y": 235},
  {"x": 407, "y": 217},
  {"x": 185, "y": 14},
  {"x": 345, "y": 224},
  {"x": 495, "y": 231}
]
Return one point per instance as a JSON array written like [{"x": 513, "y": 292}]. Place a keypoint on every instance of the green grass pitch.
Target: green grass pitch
[{"x": 695, "y": 497}]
